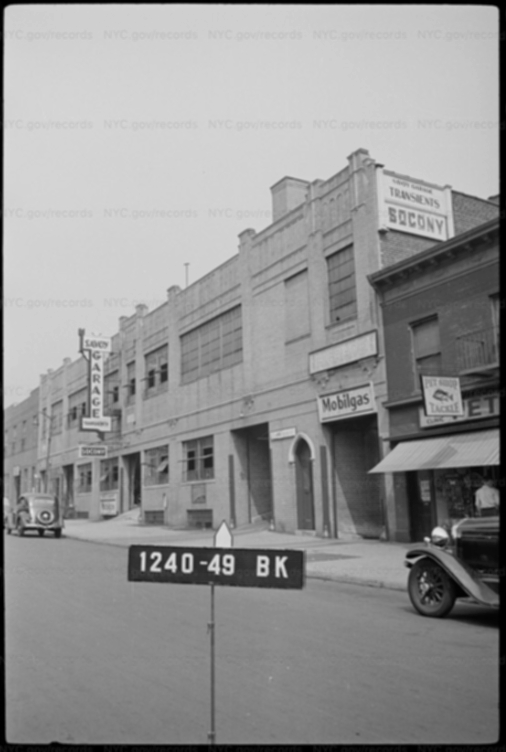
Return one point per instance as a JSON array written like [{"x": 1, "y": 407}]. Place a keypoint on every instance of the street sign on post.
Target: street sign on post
[
  {"x": 221, "y": 565},
  {"x": 240, "y": 567}
]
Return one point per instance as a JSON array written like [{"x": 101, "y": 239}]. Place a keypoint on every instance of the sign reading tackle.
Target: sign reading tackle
[{"x": 242, "y": 567}]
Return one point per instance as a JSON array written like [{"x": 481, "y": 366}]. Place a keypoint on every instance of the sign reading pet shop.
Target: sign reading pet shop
[
  {"x": 347, "y": 403},
  {"x": 415, "y": 207},
  {"x": 441, "y": 395},
  {"x": 93, "y": 349}
]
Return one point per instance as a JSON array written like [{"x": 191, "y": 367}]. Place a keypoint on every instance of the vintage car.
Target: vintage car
[
  {"x": 462, "y": 562},
  {"x": 35, "y": 511}
]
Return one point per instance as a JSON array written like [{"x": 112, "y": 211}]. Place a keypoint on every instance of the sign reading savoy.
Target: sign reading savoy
[
  {"x": 347, "y": 403},
  {"x": 95, "y": 347}
]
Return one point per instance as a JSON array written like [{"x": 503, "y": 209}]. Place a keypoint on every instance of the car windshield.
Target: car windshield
[{"x": 42, "y": 502}]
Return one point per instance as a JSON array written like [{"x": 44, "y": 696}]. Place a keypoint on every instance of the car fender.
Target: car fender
[{"x": 459, "y": 572}]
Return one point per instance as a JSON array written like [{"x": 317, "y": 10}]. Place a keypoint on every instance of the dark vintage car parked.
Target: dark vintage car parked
[
  {"x": 35, "y": 511},
  {"x": 459, "y": 563}
]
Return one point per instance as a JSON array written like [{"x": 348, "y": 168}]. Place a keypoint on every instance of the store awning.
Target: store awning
[{"x": 457, "y": 450}]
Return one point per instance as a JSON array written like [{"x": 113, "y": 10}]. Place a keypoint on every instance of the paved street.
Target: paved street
[{"x": 92, "y": 658}]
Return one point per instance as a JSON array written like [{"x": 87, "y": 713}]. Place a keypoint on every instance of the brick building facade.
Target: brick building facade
[
  {"x": 21, "y": 447},
  {"x": 256, "y": 392},
  {"x": 441, "y": 317}
]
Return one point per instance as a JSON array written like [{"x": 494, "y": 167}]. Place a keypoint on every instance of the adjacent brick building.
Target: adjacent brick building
[
  {"x": 441, "y": 317},
  {"x": 20, "y": 447}
]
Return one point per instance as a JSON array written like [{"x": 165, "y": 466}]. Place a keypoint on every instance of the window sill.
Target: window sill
[
  {"x": 200, "y": 480},
  {"x": 157, "y": 485},
  {"x": 298, "y": 339},
  {"x": 336, "y": 324}
]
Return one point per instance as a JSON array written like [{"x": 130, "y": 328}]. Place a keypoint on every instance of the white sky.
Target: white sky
[{"x": 416, "y": 85}]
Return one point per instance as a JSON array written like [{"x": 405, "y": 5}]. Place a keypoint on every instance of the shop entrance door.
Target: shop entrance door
[
  {"x": 68, "y": 499},
  {"x": 304, "y": 485},
  {"x": 421, "y": 504},
  {"x": 133, "y": 466}
]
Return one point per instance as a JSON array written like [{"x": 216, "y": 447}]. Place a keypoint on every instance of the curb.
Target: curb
[{"x": 344, "y": 579}]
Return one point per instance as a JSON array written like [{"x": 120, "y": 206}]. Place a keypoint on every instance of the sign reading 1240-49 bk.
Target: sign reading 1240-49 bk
[{"x": 242, "y": 567}]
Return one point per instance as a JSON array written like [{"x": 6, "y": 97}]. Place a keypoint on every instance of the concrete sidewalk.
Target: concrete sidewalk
[{"x": 365, "y": 562}]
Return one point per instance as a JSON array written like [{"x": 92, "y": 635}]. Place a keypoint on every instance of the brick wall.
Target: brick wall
[
  {"x": 462, "y": 304},
  {"x": 470, "y": 211}
]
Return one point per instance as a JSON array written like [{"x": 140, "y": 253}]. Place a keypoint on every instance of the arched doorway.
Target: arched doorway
[{"x": 304, "y": 486}]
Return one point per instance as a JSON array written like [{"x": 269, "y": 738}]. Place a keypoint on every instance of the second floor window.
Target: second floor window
[
  {"x": 342, "y": 288},
  {"x": 156, "y": 369},
  {"x": 131, "y": 383},
  {"x": 213, "y": 346},
  {"x": 57, "y": 417},
  {"x": 426, "y": 348}
]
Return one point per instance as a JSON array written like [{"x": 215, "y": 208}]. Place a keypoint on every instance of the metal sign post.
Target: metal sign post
[
  {"x": 210, "y": 627},
  {"x": 222, "y": 539},
  {"x": 221, "y": 565}
]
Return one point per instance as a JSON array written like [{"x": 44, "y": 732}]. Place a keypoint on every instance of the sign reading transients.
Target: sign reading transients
[
  {"x": 95, "y": 347},
  {"x": 242, "y": 567}
]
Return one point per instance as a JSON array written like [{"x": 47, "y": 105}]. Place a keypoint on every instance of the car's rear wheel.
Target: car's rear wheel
[
  {"x": 57, "y": 532},
  {"x": 40, "y": 532},
  {"x": 20, "y": 528},
  {"x": 432, "y": 592}
]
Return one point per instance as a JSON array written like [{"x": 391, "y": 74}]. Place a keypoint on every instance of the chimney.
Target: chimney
[
  {"x": 141, "y": 309},
  {"x": 173, "y": 291},
  {"x": 287, "y": 194},
  {"x": 494, "y": 199}
]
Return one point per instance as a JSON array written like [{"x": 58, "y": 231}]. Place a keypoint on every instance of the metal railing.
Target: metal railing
[{"x": 478, "y": 349}]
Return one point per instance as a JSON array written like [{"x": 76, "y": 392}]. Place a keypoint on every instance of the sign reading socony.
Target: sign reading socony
[{"x": 414, "y": 206}]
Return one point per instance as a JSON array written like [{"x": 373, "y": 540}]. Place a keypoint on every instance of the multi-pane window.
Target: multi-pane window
[
  {"x": 131, "y": 383},
  {"x": 111, "y": 390},
  {"x": 109, "y": 474},
  {"x": 213, "y": 346},
  {"x": 342, "y": 289},
  {"x": 426, "y": 348},
  {"x": 156, "y": 466},
  {"x": 57, "y": 417},
  {"x": 85, "y": 478},
  {"x": 296, "y": 307},
  {"x": 156, "y": 370},
  {"x": 198, "y": 459},
  {"x": 496, "y": 320},
  {"x": 76, "y": 401}
]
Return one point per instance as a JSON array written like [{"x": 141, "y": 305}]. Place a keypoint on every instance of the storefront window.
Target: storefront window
[{"x": 455, "y": 491}]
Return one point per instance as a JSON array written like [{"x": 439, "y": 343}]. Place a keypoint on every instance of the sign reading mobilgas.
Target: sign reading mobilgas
[
  {"x": 94, "y": 349},
  {"x": 347, "y": 403},
  {"x": 414, "y": 206}
]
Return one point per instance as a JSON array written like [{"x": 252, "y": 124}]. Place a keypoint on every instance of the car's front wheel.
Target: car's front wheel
[
  {"x": 432, "y": 592},
  {"x": 20, "y": 527},
  {"x": 57, "y": 532},
  {"x": 40, "y": 532}
]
